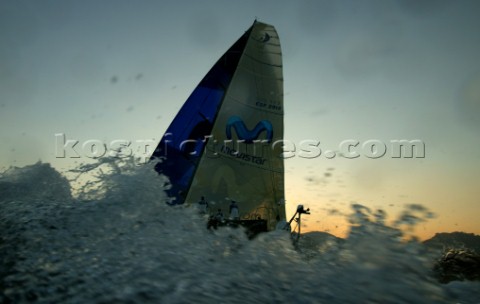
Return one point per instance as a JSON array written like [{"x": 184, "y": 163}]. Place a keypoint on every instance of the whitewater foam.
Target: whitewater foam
[{"x": 117, "y": 241}]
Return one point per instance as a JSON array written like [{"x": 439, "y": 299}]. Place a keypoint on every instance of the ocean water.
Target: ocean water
[{"x": 116, "y": 241}]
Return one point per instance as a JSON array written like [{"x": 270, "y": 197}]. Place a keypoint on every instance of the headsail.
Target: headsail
[{"x": 225, "y": 143}]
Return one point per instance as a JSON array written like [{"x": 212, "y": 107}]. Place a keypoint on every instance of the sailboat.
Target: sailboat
[{"x": 225, "y": 143}]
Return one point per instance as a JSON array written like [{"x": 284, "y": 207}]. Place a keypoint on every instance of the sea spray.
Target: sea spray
[{"x": 117, "y": 240}]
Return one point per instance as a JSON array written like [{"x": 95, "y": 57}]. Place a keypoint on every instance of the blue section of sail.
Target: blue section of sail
[{"x": 181, "y": 147}]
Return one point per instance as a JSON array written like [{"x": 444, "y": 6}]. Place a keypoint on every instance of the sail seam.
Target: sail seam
[
  {"x": 260, "y": 75},
  {"x": 265, "y": 63}
]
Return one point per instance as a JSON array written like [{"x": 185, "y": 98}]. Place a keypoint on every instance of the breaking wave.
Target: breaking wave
[{"x": 116, "y": 241}]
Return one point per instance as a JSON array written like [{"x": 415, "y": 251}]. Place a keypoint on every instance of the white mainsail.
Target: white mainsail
[{"x": 239, "y": 159}]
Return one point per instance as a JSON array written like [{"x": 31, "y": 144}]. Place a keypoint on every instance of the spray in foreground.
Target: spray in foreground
[{"x": 118, "y": 241}]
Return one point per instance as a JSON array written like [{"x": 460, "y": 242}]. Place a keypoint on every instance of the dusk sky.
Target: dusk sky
[{"x": 353, "y": 70}]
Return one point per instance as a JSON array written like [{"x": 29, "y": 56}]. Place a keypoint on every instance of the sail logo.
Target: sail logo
[
  {"x": 264, "y": 37},
  {"x": 243, "y": 133}
]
